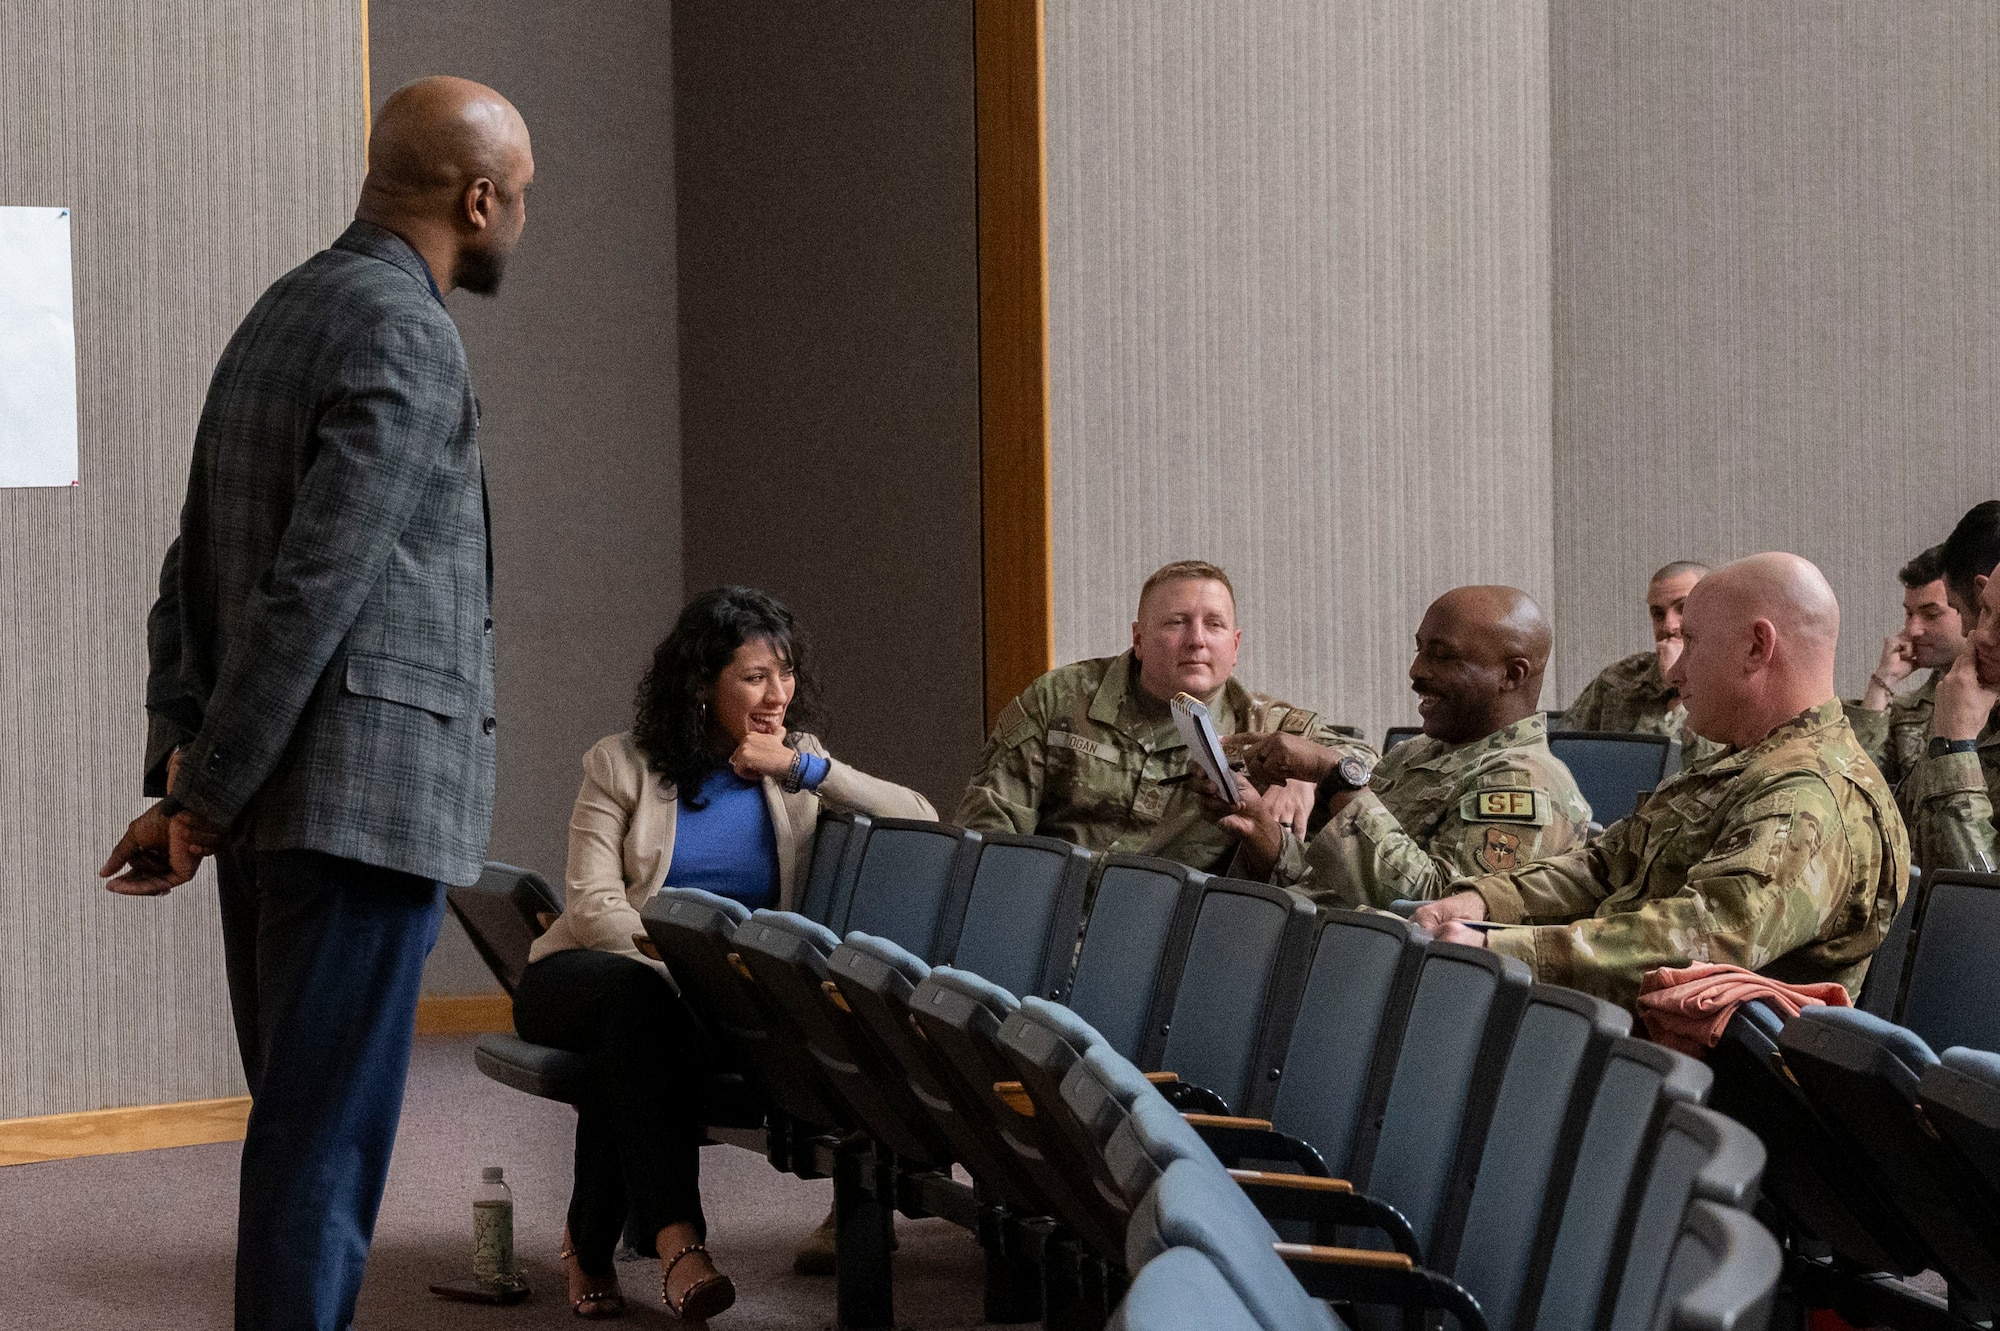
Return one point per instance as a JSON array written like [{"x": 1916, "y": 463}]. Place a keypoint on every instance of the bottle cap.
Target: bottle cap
[{"x": 492, "y": 1174}]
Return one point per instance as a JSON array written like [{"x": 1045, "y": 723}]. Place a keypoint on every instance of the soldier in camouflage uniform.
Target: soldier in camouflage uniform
[
  {"x": 1090, "y": 753},
  {"x": 1478, "y": 792},
  {"x": 1632, "y": 694},
  {"x": 1893, "y": 728},
  {"x": 1953, "y": 789},
  {"x": 1784, "y": 854}
]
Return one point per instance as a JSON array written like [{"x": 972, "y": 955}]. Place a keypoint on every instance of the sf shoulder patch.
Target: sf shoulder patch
[
  {"x": 1297, "y": 722},
  {"x": 1528, "y": 807}
]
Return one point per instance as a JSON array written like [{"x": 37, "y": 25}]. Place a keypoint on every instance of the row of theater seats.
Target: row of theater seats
[{"x": 1400, "y": 1124}]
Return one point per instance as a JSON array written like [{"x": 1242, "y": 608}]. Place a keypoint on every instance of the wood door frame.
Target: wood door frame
[{"x": 1017, "y": 559}]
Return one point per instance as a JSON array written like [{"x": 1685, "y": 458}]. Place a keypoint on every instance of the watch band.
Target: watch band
[{"x": 1940, "y": 746}]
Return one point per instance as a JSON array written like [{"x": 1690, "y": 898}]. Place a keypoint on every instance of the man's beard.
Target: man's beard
[{"x": 479, "y": 271}]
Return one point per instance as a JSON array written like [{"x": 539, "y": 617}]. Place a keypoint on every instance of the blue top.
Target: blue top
[{"x": 728, "y": 846}]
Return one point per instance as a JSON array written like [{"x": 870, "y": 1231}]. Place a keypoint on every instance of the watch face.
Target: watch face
[{"x": 1355, "y": 771}]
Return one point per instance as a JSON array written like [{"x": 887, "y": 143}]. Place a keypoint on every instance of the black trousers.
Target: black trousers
[{"x": 637, "y": 1146}]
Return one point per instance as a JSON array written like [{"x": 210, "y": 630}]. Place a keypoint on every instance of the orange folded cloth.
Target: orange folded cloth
[{"x": 1687, "y": 1008}]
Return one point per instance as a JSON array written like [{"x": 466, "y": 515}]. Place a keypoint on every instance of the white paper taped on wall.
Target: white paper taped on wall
[{"x": 37, "y": 349}]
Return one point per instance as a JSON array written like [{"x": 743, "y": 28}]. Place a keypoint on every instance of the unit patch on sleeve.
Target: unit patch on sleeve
[{"x": 1498, "y": 851}]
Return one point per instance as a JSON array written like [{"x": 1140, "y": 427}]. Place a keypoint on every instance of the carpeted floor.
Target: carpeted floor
[{"x": 146, "y": 1240}]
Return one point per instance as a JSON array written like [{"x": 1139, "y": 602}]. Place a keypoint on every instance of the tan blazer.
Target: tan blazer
[{"x": 621, "y": 839}]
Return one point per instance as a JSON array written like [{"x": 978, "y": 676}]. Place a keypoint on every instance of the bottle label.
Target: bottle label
[{"x": 493, "y": 1243}]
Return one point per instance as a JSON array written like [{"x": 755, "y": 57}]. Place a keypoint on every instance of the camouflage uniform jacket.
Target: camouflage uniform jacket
[
  {"x": 1896, "y": 736},
  {"x": 1787, "y": 857},
  {"x": 1631, "y": 696},
  {"x": 1951, "y": 799},
  {"x": 1083, "y": 755},
  {"x": 1435, "y": 813}
]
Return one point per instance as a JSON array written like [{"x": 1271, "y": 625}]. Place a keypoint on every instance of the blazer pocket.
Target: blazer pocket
[{"x": 408, "y": 683}]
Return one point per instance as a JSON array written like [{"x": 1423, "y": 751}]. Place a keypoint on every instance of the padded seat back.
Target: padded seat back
[
  {"x": 1397, "y": 734},
  {"x": 1700, "y": 1154},
  {"x": 1343, "y": 1043},
  {"x": 1612, "y": 769},
  {"x": 1151, "y": 1138},
  {"x": 1882, "y": 987},
  {"x": 1133, "y": 945},
  {"x": 829, "y": 875},
  {"x": 1180, "y": 1290},
  {"x": 1722, "y": 1275},
  {"x": 1462, "y": 1021},
  {"x": 910, "y": 884},
  {"x": 1948, "y": 997},
  {"x": 1640, "y": 1082},
  {"x": 502, "y": 913},
  {"x": 1538, "y": 1118},
  {"x": 1022, "y": 913},
  {"x": 1961, "y": 1098},
  {"x": 1239, "y": 987},
  {"x": 1196, "y": 1205}
]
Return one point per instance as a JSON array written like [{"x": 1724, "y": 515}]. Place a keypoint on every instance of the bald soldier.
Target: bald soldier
[
  {"x": 1090, "y": 753},
  {"x": 1784, "y": 854},
  {"x": 1478, "y": 792},
  {"x": 1633, "y": 694},
  {"x": 320, "y": 690}
]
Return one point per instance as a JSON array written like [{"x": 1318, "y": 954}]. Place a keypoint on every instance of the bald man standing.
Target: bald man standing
[
  {"x": 1784, "y": 854},
  {"x": 1478, "y": 792},
  {"x": 320, "y": 697}
]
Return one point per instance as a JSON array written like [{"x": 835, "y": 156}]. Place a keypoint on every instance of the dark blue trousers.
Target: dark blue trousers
[{"x": 325, "y": 959}]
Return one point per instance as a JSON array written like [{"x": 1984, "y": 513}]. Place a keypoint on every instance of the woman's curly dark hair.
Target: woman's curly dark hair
[{"x": 669, "y": 725}]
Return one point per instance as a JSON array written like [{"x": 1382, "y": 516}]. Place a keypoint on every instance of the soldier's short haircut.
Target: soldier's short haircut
[
  {"x": 1924, "y": 570},
  {"x": 1972, "y": 549},
  {"x": 1187, "y": 570},
  {"x": 1675, "y": 569}
]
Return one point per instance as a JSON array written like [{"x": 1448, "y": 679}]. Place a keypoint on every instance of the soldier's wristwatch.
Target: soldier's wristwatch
[
  {"x": 1940, "y": 746},
  {"x": 1350, "y": 773}
]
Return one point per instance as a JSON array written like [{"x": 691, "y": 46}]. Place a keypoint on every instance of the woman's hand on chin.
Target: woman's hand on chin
[{"x": 760, "y": 755}]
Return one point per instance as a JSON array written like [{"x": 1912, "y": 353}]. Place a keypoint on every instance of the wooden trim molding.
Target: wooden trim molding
[
  {"x": 464, "y": 1014},
  {"x": 27, "y": 1141},
  {"x": 1012, "y": 128}
]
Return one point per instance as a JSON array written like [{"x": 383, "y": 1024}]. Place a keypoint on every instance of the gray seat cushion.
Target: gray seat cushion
[{"x": 553, "y": 1074}]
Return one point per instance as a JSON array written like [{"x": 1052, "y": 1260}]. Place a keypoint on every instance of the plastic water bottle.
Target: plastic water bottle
[{"x": 493, "y": 1230}]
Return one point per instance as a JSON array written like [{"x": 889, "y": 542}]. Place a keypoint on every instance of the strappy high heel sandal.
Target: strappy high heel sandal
[
  {"x": 704, "y": 1298},
  {"x": 596, "y": 1305}
]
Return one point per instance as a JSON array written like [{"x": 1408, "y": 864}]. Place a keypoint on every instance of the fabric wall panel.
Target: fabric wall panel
[
  {"x": 1299, "y": 321},
  {"x": 204, "y": 147},
  {"x": 1775, "y": 257}
]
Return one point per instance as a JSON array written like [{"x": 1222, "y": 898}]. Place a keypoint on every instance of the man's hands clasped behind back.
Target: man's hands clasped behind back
[{"x": 160, "y": 850}]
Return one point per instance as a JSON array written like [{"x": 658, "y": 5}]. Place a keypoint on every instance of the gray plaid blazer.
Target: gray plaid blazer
[{"x": 321, "y": 648}]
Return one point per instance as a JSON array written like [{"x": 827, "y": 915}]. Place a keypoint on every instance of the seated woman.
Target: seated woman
[{"x": 707, "y": 790}]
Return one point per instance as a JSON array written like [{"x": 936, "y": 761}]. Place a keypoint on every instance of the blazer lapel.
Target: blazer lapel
[{"x": 781, "y": 829}]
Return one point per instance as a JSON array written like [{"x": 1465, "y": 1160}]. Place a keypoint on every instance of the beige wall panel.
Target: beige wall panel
[
  {"x": 1299, "y": 320},
  {"x": 1776, "y": 254},
  {"x": 205, "y": 147}
]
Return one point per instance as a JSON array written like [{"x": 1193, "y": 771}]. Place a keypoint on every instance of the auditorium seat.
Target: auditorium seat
[
  {"x": 503, "y": 913},
  {"x": 1342, "y": 1047},
  {"x": 1614, "y": 769},
  {"x": 1948, "y": 996},
  {"x": 1180, "y": 1290},
  {"x": 1640, "y": 1085},
  {"x": 1025, "y": 908},
  {"x": 1397, "y": 734},
  {"x": 1882, "y": 988},
  {"x": 1722, "y": 1276},
  {"x": 1808, "y": 1177},
  {"x": 1863, "y": 1075},
  {"x": 838, "y": 842},
  {"x": 909, "y": 885},
  {"x": 1141, "y": 918},
  {"x": 1961, "y": 1098},
  {"x": 1197, "y": 1206}
]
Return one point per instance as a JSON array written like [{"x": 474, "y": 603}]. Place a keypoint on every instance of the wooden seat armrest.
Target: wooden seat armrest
[
  {"x": 1364, "y": 1257},
  {"x": 1227, "y": 1121},
  {"x": 1303, "y": 1182},
  {"x": 1163, "y": 1078},
  {"x": 1015, "y": 1097},
  {"x": 646, "y": 946}
]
